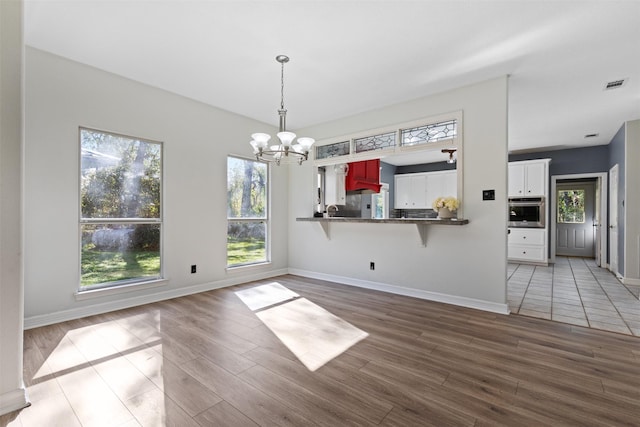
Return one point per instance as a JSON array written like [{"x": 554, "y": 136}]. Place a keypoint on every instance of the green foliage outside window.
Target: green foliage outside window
[
  {"x": 120, "y": 191},
  {"x": 571, "y": 206},
  {"x": 246, "y": 211}
]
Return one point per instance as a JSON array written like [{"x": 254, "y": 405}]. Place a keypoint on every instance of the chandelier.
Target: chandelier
[{"x": 287, "y": 151}]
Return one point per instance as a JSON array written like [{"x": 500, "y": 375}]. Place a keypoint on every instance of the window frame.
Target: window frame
[
  {"x": 125, "y": 284},
  {"x": 266, "y": 219}
]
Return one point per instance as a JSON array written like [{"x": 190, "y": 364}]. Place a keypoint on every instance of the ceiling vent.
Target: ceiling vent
[
  {"x": 615, "y": 84},
  {"x": 591, "y": 135}
]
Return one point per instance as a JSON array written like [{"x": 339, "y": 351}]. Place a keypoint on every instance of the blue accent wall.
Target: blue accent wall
[
  {"x": 617, "y": 156},
  {"x": 571, "y": 161}
]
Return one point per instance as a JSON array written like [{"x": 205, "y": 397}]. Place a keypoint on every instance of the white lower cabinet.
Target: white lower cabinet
[{"x": 528, "y": 244}]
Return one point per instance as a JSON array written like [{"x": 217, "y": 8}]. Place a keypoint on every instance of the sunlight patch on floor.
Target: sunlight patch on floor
[
  {"x": 101, "y": 363},
  {"x": 263, "y": 296},
  {"x": 312, "y": 333}
]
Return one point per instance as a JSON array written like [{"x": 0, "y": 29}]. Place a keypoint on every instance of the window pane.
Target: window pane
[
  {"x": 375, "y": 142},
  {"x": 571, "y": 206},
  {"x": 120, "y": 176},
  {"x": 429, "y": 133},
  {"x": 332, "y": 150},
  {"x": 117, "y": 252},
  {"x": 246, "y": 188},
  {"x": 246, "y": 242}
]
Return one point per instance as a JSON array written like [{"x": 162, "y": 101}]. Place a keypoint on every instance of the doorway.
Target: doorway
[
  {"x": 576, "y": 218},
  {"x": 576, "y": 221}
]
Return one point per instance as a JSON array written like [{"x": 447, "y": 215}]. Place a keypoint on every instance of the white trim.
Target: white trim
[
  {"x": 62, "y": 316},
  {"x": 416, "y": 293},
  {"x": 82, "y": 295},
  {"x": 398, "y": 148},
  {"x": 13, "y": 400}
]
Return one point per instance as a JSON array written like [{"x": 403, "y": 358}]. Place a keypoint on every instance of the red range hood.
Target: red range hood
[{"x": 364, "y": 176}]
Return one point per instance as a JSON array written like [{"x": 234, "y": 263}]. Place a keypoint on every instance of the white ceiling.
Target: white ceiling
[{"x": 352, "y": 56}]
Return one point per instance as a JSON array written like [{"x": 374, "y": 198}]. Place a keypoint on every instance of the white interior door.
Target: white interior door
[{"x": 613, "y": 219}]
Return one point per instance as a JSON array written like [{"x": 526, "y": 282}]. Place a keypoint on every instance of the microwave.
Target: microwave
[{"x": 527, "y": 212}]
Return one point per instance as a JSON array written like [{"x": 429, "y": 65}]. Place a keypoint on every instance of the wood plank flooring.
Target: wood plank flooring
[{"x": 208, "y": 360}]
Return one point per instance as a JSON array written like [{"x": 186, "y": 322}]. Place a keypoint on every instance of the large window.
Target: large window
[
  {"x": 246, "y": 212},
  {"x": 120, "y": 209}
]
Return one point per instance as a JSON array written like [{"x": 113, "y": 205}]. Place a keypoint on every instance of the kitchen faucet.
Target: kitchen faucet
[{"x": 330, "y": 208}]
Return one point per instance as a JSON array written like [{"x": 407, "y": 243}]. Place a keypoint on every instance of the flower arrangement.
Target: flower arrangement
[{"x": 450, "y": 203}]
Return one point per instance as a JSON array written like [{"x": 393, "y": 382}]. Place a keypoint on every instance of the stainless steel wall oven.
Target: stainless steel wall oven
[{"x": 528, "y": 212}]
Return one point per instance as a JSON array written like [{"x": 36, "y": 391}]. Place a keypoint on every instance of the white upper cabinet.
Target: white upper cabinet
[
  {"x": 441, "y": 184},
  {"x": 528, "y": 178},
  {"x": 419, "y": 190},
  {"x": 411, "y": 191}
]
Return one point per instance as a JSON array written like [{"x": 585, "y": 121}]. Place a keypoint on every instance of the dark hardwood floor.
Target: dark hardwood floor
[{"x": 209, "y": 360}]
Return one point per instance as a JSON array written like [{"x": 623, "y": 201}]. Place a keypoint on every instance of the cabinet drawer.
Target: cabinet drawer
[
  {"x": 527, "y": 236},
  {"x": 527, "y": 253}
]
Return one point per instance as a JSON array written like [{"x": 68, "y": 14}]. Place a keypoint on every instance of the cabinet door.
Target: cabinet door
[
  {"x": 402, "y": 192},
  {"x": 516, "y": 180},
  {"x": 535, "y": 174},
  {"x": 410, "y": 192},
  {"x": 435, "y": 184},
  {"x": 372, "y": 172},
  {"x": 441, "y": 184},
  {"x": 335, "y": 190},
  {"x": 419, "y": 192},
  {"x": 450, "y": 184}
]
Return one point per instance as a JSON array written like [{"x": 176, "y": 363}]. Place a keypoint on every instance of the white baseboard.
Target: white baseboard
[
  {"x": 90, "y": 310},
  {"x": 13, "y": 400},
  {"x": 630, "y": 281},
  {"x": 410, "y": 292}
]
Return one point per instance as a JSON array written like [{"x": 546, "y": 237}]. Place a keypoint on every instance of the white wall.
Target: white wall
[
  {"x": 62, "y": 95},
  {"x": 12, "y": 392},
  {"x": 464, "y": 265},
  {"x": 632, "y": 204}
]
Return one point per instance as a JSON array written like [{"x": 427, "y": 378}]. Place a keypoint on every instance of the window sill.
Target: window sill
[
  {"x": 138, "y": 286},
  {"x": 239, "y": 268}
]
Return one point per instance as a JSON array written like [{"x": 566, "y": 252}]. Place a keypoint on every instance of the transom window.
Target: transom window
[
  {"x": 247, "y": 208},
  {"x": 120, "y": 209}
]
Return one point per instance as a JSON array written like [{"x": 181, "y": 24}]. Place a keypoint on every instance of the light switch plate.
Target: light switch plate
[{"x": 488, "y": 194}]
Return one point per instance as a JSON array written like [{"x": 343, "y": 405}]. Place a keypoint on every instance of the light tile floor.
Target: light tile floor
[{"x": 575, "y": 291}]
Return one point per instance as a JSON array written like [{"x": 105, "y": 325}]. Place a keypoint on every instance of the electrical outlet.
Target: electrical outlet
[
  {"x": 372, "y": 265},
  {"x": 193, "y": 268}
]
